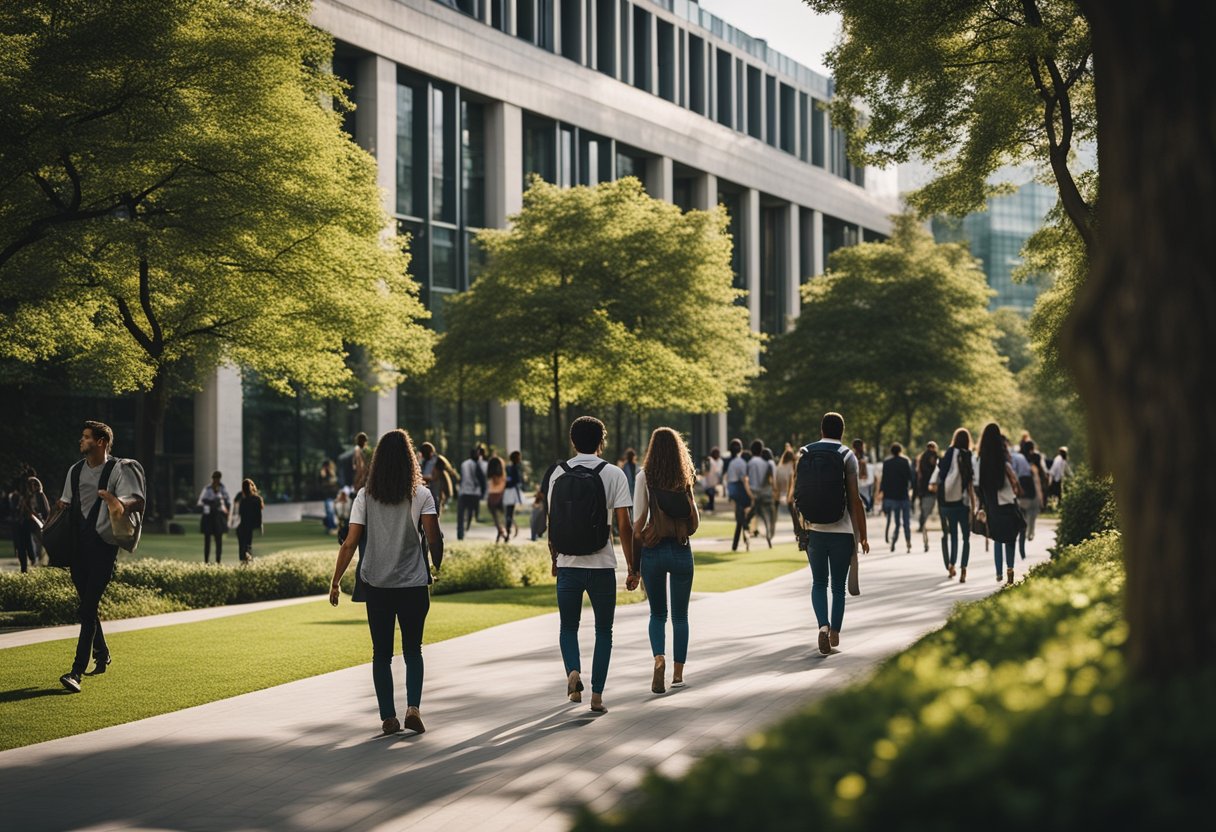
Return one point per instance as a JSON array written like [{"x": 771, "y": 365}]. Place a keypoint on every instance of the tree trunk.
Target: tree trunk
[
  {"x": 558, "y": 445},
  {"x": 151, "y": 423},
  {"x": 1136, "y": 337}
]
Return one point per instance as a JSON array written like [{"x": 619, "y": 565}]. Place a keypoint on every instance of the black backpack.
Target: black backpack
[
  {"x": 820, "y": 491},
  {"x": 578, "y": 511}
]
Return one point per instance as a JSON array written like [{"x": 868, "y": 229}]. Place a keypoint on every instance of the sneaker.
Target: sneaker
[
  {"x": 99, "y": 666},
  {"x": 413, "y": 721},
  {"x": 825, "y": 641},
  {"x": 71, "y": 681}
]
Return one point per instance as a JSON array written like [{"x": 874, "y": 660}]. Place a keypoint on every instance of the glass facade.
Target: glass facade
[
  {"x": 772, "y": 269},
  {"x": 996, "y": 236}
]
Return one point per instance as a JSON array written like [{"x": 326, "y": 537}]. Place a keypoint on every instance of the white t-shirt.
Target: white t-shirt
[
  {"x": 124, "y": 482},
  {"x": 1006, "y": 495},
  {"x": 1060, "y": 469},
  {"x": 387, "y": 561},
  {"x": 845, "y": 524},
  {"x": 616, "y": 490},
  {"x": 468, "y": 479}
]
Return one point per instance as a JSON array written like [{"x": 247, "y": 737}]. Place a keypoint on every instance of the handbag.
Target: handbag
[
  {"x": 979, "y": 523},
  {"x": 854, "y": 586}
]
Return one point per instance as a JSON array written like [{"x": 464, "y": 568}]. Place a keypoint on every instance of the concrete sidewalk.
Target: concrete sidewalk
[{"x": 504, "y": 749}]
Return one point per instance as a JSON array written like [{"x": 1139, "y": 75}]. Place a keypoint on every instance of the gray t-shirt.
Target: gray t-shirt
[
  {"x": 393, "y": 558},
  {"x": 759, "y": 470},
  {"x": 125, "y": 482}
]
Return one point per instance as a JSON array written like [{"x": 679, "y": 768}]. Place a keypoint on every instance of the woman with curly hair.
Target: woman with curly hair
[
  {"x": 395, "y": 510},
  {"x": 665, "y": 516}
]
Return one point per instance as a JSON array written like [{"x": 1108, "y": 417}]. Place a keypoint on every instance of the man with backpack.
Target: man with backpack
[
  {"x": 832, "y": 522},
  {"x": 896, "y": 493},
  {"x": 100, "y": 490},
  {"x": 584, "y": 494}
]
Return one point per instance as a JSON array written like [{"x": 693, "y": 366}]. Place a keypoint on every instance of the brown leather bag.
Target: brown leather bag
[{"x": 660, "y": 524}]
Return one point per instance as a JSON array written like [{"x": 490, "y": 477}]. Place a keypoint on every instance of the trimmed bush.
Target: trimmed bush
[
  {"x": 1087, "y": 508},
  {"x": 147, "y": 586},
  {"x": 1016, "y": 715}
]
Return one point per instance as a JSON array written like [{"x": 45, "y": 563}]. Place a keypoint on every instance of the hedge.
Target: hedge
[
  {"x": 1016, "y": 715},
  {"x": 147, "y": 587},
  {"x": 1087, "y": 508}
]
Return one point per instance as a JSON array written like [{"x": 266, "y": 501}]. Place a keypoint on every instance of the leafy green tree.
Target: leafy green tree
[
  {"x": 176, "y": 193},
  {"x": 895, "y": 334},
  {"x": 603, "y": 295},
  {"x": 1012, "y": 341}
]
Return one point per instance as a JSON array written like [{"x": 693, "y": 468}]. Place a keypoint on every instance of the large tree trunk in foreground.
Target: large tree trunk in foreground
[{"x": 1142, "y": 335}]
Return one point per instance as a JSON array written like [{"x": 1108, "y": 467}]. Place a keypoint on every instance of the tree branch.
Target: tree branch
[
  {"x": 128, "y": 321},
  {"x": 145, "y": 302}
]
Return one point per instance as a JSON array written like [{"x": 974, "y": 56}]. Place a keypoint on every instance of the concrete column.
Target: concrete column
[
  {"x": 750, "y": 231},
  {"x": 486, "y": 13},
  {"x": 793, "y": 271},
  {"x": 504, "y": 427},
  {"x": 590, "y": 45},
  {"x": 683, "y": 66},
  {"x": 711, "y": 81},
  {"x": 819, "y": 265},
  {"x": 504, "y": 163},
  {"x": 764, "y": 137},
  {"x": 739, "y": 96},
  {"x": 861, "y": 234},
  {"x": 705, "y": 192},
  {"x": 717, "y": 431},
  {"x": 660, "y": 178},
  {"x": 512, "y": 17},
  {"x": 557, "y": 27},
  {"x": 627, "y": 64},
  {"x": 379, "y": 412},
  {"x": 617, "y": 42},
  {"x": 827, "y": 141},
  {"x": 218, "y": 437}
]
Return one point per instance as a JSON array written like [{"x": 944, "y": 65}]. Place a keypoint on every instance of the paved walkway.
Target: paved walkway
[{"x": 504, "y": 749}]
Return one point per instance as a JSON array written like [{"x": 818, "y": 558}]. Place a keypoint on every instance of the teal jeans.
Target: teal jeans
[{"x": 670, "y": 559}]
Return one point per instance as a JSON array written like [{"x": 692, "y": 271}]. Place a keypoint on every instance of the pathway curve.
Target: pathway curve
[{"x": 504, "y": 750}]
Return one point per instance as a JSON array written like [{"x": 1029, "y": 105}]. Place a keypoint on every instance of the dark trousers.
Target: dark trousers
[
  {"x": 600, "y": 586},
  {"x": 387, "y": 608},
  {"x": 830, "y": 555},
  {"x": 23, "y": 538},
  {"x": 244, "y": 543},
  {"x": 742, "y": 518},
  {"x": 218, "y": 534},
  {"x": 673, "y": 559},
  {"x": 91, "y": 571},
  {"x": 466, "y": 510}
]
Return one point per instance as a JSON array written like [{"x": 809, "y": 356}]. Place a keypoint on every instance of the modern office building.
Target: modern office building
[
  {"x": 996, "y": 236},
  {"x": 460, "y": 101}
]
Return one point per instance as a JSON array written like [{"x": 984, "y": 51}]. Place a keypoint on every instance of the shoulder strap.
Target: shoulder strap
[
  {"x": 844, "y": 450},
  {"x": 564, "y": 466},
  {"x": 105, "y": 473},
  {"x": 596, "y": 470},
  {"x": 75, "y": 475}
]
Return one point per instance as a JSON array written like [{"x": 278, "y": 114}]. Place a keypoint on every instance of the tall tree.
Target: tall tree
[
  {"x": 895, "y": 334},
  {"x": 176, "y": 192},
  {"x": 603, "y": 295},
  {"x": 1141, "y": 335}
]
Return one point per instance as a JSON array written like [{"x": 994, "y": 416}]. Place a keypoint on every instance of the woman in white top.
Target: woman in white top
[
  {"x": 784, "y": 479},
  {"x": 865, "y": 475},
  {"x": 998, "y": 487},
  {"x": 396, "y": 509},
  {"x": 953, "y": 482}
]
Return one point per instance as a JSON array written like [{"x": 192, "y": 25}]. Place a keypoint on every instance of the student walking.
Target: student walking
[
  {"x": 738, "y": 492},
  {"x": 496, "y": 487},
  {"x": 585, "y": 495},
  {"x": 249, "y": 507},
  {"x": 866, "y": 474},
  {"x": 926, "y": 464},
  {"x": 896, "y": 493},
  {"x": 1034, "y": 492},
  {"x": 397, "y": 514},
  {"x": 953, "y": 483},
  {"x": 783, "y": 481},
  {"x": 1060, "y": 471},
  {"x": 712, "y": 468},
  {"x": 513, "y": 497},
  {"x": 665, "y": 516},
  {"x": 214, "y": 522},
  {"x": 761, "y": 477},
  {"x": 97, "y": 478},
  {"x": 998, "y": 489},
  {"x": 630, "y": 466},
  {"x": 472, "y": 488},
  {"x": 831, "y": 522},
  {"x": 33, "y": 510}
]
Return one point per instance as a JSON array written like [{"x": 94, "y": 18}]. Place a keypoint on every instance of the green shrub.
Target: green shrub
[
  {"x": 1087, "y": 508},
  {"x": 1016, "y": 715},
  {"x": 148, "y": 586}
]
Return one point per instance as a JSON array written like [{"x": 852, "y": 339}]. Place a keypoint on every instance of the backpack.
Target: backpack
[
  {"x": 578, "y": 511},
  {"x": 669, "y": 514},
  {"x": 820, "y": 491}
]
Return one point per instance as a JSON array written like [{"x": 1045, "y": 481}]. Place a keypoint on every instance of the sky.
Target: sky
[{"x": 789, "y": 26}]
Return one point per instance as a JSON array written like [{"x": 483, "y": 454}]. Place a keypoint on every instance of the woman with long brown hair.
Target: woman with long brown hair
[
  {"x": 397, "y": 511},
  {"x": 249, "y": 509},
  {"x": 665, "y": 515}
]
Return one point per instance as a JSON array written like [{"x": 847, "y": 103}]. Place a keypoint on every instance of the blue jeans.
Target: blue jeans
[
  {"x": 600, "y": 586},
  {"x": 955, "y": 518},
  {"x": 1010, "y": 550},
  {"x": 668, "y": 558},
  {"x": 900, "y": 510},
  {"x": 829, "y": 554},
  {"x": 386, "y": 609}
]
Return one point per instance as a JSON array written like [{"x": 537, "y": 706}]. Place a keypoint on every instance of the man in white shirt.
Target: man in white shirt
[{"x": 593, "y": 573}]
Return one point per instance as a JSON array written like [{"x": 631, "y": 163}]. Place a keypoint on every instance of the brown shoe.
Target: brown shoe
[
  {"x": 834, "y": 638},
  {"x": 962, "y": 576},
  {"x": 951, "y": 571},
  {"x": 1008, "y": 577},
  {"x": 825, "y": 641},
  {"x": 390, "y": 725},
  {"x": 656, "y": 683},
  {"x": 413, "y": 721},
  {"x": 574, "y": 687}
]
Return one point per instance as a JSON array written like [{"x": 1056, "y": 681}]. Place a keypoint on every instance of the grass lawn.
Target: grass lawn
[{"x": 724, "y": 571}]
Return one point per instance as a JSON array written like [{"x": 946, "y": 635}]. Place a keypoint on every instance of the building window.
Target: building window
[
  {"x": 806, "y": 244},
  {"x": 605, "y": 37},
  {"x": 572, "y": 29},
  {"x": 420, "y": 255},
  {"x": 544, "y": 24},
  {"x": 540, "y": 148},
  {"x": 525, "y": 20},
  {"x": 697, "y": 98},
  {"x": 626, "y": 23},
  {"x": 755, "y": 103},
  {"x": 444, "y": 274},
  {"x": 473, "y": 168},
  {"x": 804, "y": 126},
  {"x": 469, "y": 7},
  {"x": 594, "y": 159},
  {"x": 411, "y": 146},
  {"x": 733, "y": 205},
  {"x": 667, "y": 60},
  {"x": 641, "y": 49},
  {"x": 772, "y": 110},
  {"x": 725, "y": 85},
  {"x": 772, "y": 270},
  {"x": 788, "y": 119},
  {"x": 682, "y": 191},
  {"x": 443, "y": 156},
  {"x": 346, "y": 69},
  {"x": 498, "y": 14},
  {"x": 818, "y": 116},
  {"x": 740, "y": 98},
  {"x": 837, "y": 234},
  {"x": 630, "y": 162},
  {"x": 565, "y": 168}
]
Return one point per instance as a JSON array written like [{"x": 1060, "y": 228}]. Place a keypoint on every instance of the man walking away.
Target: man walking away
[
  {"x": 896, "y": 493},
  {"x": 585, "y": 494},
  {"x": 97, "y": 479},
  {"x": 738, "y": 492},
  {"x": 214, "y": 521},
  {"x": 472, "y": 487},
  {"x": 926, "y": 464},
  {"x": 831, "y": 520}
]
